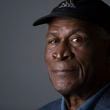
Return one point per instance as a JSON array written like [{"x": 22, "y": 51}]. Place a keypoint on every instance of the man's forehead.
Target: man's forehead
[
  {"x": 70, "y": 23},
  {"x": 67, "y": 20}
]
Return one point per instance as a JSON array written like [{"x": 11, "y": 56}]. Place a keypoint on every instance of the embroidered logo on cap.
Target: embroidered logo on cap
[{"x": 67, "y": 3}]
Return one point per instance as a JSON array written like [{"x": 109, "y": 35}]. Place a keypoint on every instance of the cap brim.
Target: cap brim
[
  {"x": 42, "y": 20},
  {"x": 48, "y": 18}
]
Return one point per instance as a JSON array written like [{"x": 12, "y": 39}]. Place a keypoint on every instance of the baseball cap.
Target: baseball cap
[{"x": 94, "y": 11}]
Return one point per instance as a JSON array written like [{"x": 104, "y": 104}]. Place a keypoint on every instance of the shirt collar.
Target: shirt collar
[{"x": 63, "y": 105}]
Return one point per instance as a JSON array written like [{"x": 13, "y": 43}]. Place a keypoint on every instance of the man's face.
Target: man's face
[{"x": 72, "y": 54}]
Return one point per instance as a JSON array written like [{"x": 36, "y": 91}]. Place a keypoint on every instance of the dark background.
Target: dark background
[{"x": 24, "y": 83}]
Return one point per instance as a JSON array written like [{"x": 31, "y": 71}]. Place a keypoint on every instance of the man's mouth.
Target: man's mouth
[{"x": 64, "y": 71}]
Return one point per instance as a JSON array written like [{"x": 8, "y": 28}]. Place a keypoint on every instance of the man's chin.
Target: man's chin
[
  {"x": 63, "y": 92},
  {"x": 67, "y": 87},
  {"x": 66, "y": 90}
]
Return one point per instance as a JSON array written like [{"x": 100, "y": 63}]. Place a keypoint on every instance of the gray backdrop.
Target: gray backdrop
[{"x": 24, "y": 83}]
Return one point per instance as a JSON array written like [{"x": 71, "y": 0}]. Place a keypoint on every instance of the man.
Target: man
[{"x": 78, "y": 54}]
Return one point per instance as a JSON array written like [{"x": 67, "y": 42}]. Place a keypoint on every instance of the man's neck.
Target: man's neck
[{"x": 74, "y": 102}]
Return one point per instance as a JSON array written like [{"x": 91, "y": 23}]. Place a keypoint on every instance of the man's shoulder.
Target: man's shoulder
[
  {"x": 104, "y": 101},
  {"x": 54, "y": 105}
]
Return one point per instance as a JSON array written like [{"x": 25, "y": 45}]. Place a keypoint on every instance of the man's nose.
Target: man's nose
[{"x": 62, "y": 52}]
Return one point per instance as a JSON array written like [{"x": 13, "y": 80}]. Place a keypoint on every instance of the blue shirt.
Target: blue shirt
[{"x": 91, "y": 102}]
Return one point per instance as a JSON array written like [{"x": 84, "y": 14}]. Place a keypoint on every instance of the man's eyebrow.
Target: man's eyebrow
[
  {"x": 54, "y": 33},
  {"x": 77, "y": 30},
  {"x": 74, "y": 31}
]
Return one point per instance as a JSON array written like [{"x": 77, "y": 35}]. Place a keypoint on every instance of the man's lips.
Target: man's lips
[
  {"x": 63, "y": 71},
  {"x": 64, "y": 68}
]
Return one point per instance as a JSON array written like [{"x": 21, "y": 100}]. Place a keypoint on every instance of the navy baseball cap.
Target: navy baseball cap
[{"x": 94, "y": 11}]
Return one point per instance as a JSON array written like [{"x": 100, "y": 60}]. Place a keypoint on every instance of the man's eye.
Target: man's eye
[
  {"x": 77, "y": 41},
  {"x": 52, "y": 41}
]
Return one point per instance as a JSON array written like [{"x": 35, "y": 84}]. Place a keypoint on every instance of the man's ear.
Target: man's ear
[
  {"x": 109, "y": 57},
  {"x": 108, "y": 50}
]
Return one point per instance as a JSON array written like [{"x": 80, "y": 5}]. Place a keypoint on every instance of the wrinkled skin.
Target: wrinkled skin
[{"x": 75, "y": 56}]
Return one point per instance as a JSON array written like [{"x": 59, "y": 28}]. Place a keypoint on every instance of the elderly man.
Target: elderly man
[{"x": 78, "y": 54}]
